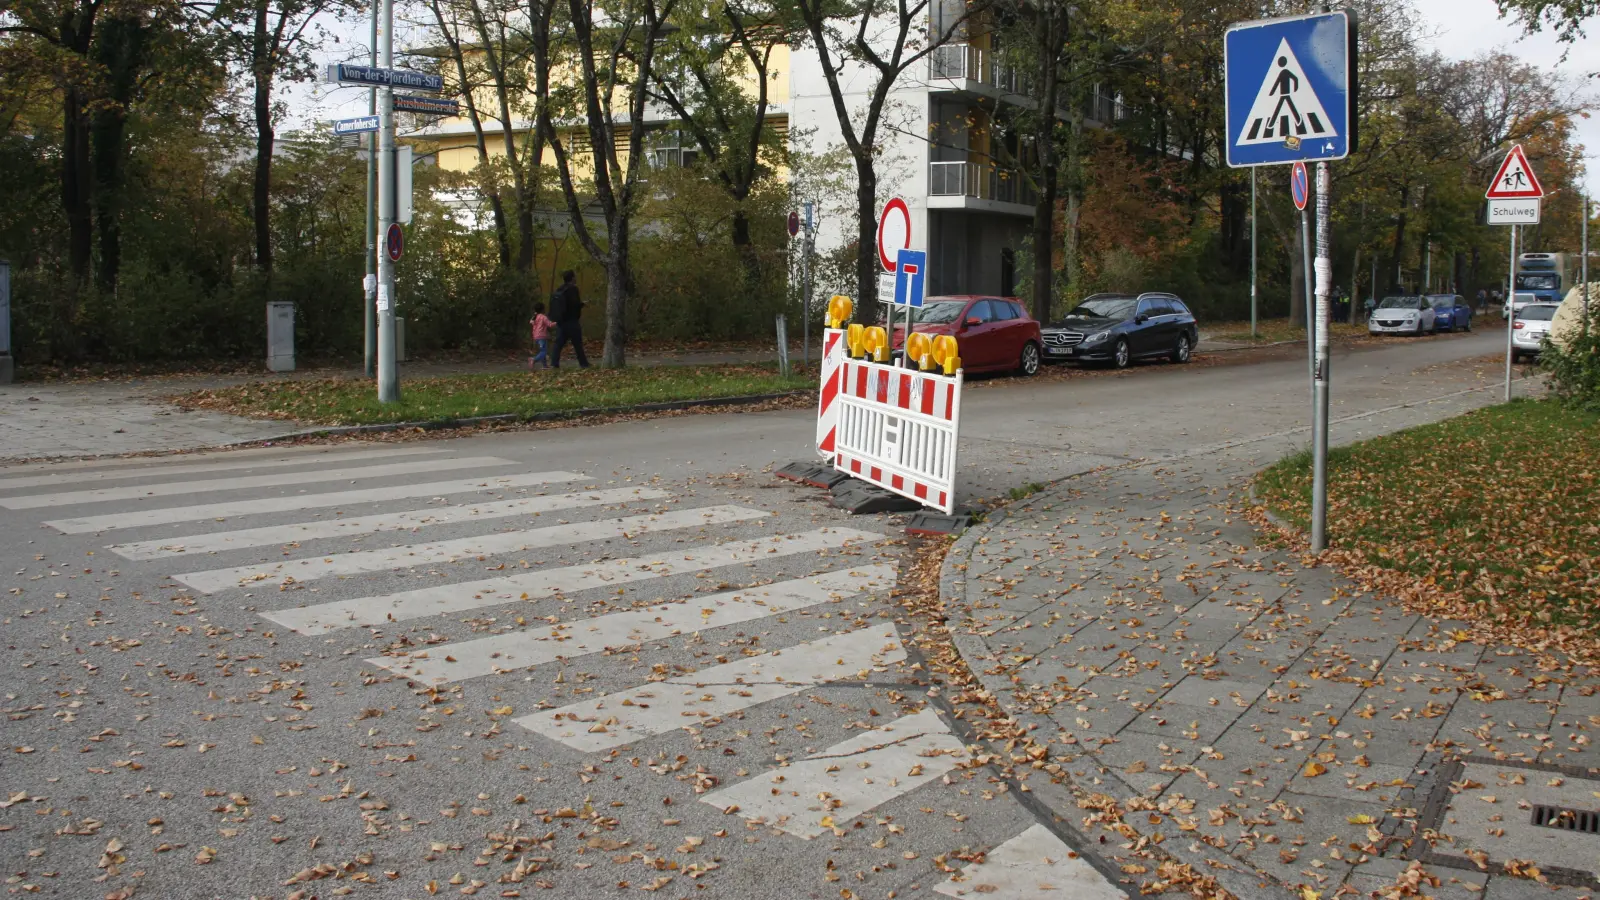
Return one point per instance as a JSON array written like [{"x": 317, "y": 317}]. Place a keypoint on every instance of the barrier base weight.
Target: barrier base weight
[
  {"x": 813, "y": 474},
  {"x": 938, "y": 523},
  {"x": 860, "y": 498}
]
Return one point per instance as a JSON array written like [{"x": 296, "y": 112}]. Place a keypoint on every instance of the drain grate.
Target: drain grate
[{"x": 1583, "y": 821}]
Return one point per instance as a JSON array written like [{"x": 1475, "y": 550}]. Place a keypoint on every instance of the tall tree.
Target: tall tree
[
  {"x": 614, "y": 45},
  {"x": 880, "y": 40},
  {"x": 271, "y": 40}
]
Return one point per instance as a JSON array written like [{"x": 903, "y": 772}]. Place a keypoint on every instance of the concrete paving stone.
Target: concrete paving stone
[
  {"x": 1181, "y": 722},
  {"x": 1374, "y": 784},
  {"x": 1144, "y": 766},
  {"x": 1323, "y": 828},
  {"x": 1503, "y": 887},
  {"x": 1217, "y": 693},
  {"x": 1107, "y": 717},
  {"x": 1509, "y": 727},
  {"x": 1455, "y": 884}
]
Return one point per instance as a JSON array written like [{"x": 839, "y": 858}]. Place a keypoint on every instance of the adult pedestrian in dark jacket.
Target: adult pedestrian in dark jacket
[{"x": 566, "y": 308}]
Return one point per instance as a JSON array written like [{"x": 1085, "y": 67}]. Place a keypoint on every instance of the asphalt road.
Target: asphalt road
[{"x": 574, "y": 662}]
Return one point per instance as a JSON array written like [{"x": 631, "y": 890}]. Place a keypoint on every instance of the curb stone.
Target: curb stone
[{"x": 551, "y": 416}]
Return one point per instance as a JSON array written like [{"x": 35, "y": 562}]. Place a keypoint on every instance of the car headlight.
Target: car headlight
[{"x": 1097, "y": 337}]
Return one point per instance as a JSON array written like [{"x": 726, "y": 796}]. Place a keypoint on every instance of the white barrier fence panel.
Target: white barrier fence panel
[{"x": 898, "y": 428}]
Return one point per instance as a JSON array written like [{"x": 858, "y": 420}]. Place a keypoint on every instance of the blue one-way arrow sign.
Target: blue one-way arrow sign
[
  {"x": 356, "y": 125},
  {"x": 1291, "y": 89}
]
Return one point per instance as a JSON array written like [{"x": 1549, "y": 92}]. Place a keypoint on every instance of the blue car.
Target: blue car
[{"x": 1450, "y": 313}]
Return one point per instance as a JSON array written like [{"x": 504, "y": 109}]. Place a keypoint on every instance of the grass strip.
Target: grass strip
[
  {"x": 353, "y": 401},
  {"x": 1501, "y": 505}
]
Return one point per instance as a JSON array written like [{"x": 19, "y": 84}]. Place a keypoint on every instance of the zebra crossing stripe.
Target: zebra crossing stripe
[
  {"x": 80, "y": 478},
  {"x": 220, "y": 541},
  {"x": 171, "y": 488},
  {"x": 1034, "y": 865},
  {"x": 433, "y": 601},
  {"x": 884, "y": 763},
  {"x": 386, "y": 558},
  {"x": 697, "y": 699},
  {"x": 298, "y": 502},
  {"x": 155, "y": 464},
  {"x": 572, "y": 640}
]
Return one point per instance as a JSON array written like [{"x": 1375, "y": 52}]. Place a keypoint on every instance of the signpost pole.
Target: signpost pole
[
  {"x": 1313, "y": 328},
  {"x": 369, "y": 285},
  {"x": 1252, "y": 253},
  {"x": 388, "y": 379},
  {"x": 1511, "y": 304},
  {"x": 1324, "y": 266}
]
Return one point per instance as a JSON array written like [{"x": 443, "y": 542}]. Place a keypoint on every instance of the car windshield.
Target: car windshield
[
  {"x": 1445, "y": 302},
  {"x": 1398, "y": 303},
  {"x": 938, "y": 312},
  {"x": 1536, "y": 282},
  {"x": 1104, "y": 308},
  {"x": 1537, "y": 313},
  {"x": 1526, "y": 298}
]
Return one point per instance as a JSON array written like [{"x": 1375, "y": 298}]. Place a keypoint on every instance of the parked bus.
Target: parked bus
[{"x": 1545, "y": 275}]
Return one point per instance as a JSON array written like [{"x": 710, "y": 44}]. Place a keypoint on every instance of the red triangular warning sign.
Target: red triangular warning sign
[{"x": 1515, "y": 180}]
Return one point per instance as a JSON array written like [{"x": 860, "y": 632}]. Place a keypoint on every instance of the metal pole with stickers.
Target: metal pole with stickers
[{"x": 1280, "y": 111}]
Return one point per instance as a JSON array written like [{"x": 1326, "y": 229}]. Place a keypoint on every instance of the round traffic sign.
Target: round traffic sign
[
  {"x": 395, "y": 241},
  {"x": 1299, "y": 185},
  {"x": 894, "y": 232},
  {"x": 794, "y": 223}
]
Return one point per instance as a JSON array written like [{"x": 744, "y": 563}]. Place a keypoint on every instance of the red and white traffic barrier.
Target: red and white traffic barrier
[
  {"x": 833, "y": 347},
  {"x": 898, "y": 428}
]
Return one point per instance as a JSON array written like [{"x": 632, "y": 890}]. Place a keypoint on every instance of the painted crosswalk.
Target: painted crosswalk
[
  {"x": 851, "y": 778},
  {"x": 173, "y": 488},
  {"x": 572, "y": 640},
  {"x": 269, "y": 535},
  {"x": 325, "y": 617},
  {"x": 194, "y": 468},
  {"x": 378, "y": 560},
  {"x": 656, "y": 708},
  {"x": 300, "y": 502}
]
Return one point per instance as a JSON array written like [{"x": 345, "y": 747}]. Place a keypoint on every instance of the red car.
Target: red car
[{"x": 995, "y": 334}]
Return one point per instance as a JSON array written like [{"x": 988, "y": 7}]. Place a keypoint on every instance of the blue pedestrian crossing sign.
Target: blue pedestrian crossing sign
[{"x": 1291, "y": 89}]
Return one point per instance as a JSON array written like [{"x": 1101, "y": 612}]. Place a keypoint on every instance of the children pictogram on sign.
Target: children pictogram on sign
[
  {"x": 1515, "y": 179},
  {"x": 1285, "y": 106}
]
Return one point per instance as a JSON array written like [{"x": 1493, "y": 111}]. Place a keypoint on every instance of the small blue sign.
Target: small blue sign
[
  {"x": 910, "y": 278},
  {"x": 1291, "y": 89},
  {"x": 356, "y": 126},
  {"x": 432, "y": 106}
]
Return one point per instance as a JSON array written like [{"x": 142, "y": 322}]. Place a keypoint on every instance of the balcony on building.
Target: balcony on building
[{"x": 963, "y": 184}]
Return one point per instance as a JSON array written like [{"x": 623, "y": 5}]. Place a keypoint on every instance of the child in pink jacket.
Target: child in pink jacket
[{"x": 541, "y": 336}]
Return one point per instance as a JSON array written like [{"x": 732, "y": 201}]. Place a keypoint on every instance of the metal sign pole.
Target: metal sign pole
[
  {"x": 1511, "y": 304},
  {"x": 1324, "y": 265},
  {"x": 1312, "y": 328},
  {"x": 1252, "y": 253},
  {"x": 369, "y": 286},
  {"x": 388, "y": 379}
]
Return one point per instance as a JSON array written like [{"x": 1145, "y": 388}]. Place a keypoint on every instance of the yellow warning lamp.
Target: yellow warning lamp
[
  {"x": 877, "y": 343},
  {"x": 855, "y": 337},
  {"x": 946, "y": 353},
  {"x": 920, "y": 348},
  {"x": 839, "y": 309}
]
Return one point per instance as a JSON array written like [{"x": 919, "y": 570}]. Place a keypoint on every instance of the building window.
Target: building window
[{"x": 673, "y": 149}]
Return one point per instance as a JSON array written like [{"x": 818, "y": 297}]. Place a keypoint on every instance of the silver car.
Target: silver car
[
  {"x": 1402, "y": 315},
  {"x": 1518, "y": 301},
  {"x": 1530, "y": 329}
]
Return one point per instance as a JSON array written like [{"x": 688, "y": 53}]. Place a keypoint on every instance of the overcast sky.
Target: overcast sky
[{"x": 1459, "y": 29}]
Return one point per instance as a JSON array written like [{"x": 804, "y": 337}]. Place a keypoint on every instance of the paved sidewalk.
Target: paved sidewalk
[
  {"x": 1277, "y": 727},
  {"x": 99, "y": 418}
]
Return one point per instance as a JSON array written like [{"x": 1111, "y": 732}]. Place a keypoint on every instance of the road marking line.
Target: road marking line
[
  {"x": 155, "y": 464},
  {"x": 7, "y": 484},
  {"x": 690, "y": 700},
  {"x": 221, "y": 541},
  {"x": 298, "y": 502},
  {"x": 899, "y": 756},
  {"x": 1034, "y": 865},
  {"x": 432, "y": 601},
  {"x": 583, "y": 637},
  {"x": 409, "y": 555},
  {"x": 170, "y": 488}
]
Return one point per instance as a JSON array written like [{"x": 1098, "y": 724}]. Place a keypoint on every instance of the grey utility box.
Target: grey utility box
[{"x": 280, "y": 336}]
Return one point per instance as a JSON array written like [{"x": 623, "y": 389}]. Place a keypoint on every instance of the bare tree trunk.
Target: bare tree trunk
[
  {"x": 262, "y": 197},
  {"x": 75, "y": 184},
  {"x": 1355, "y": 287},
  {"x": 619, "y": 290},
  {"x": 867, "y": 266},
  {"x": 1051, "y": 32}
]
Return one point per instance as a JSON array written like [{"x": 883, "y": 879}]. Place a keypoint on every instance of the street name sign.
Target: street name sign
[
  {"x": 1290, "y": 89},
  {"x": 433, "y": 106},
  {"x": 373, "y": 76},
  {"x": 357, "y": 125}
]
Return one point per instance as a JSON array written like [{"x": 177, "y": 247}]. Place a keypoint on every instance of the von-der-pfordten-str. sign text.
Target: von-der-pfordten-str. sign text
[{"x": 372, "y": 76}]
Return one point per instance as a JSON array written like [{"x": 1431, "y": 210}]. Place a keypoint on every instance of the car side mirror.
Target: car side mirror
[
  {"x": 1139, "y": 319},
  {"x": 973, "y": 320}
]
